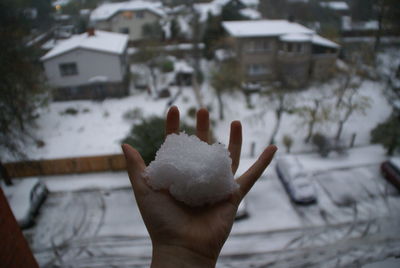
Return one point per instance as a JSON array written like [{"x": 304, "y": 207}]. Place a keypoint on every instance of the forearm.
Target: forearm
[{"x": 177, "y": 257}]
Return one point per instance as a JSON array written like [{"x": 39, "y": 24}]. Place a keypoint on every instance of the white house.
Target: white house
[
  {"x": 127, "y": 17},
  {"x": 88, "y": 66}
]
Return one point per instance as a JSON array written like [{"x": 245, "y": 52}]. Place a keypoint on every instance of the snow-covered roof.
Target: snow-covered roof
[
  {"x": 107, "y": 10},
  {"x": 101, "y": 41},
  {"x": 250, "y": 2},
  {"x": 285, "y": 30},
  {"x": 254, "y": 28},
  {"x": 336, "y": 5},
  {"x": 183, "y": 67},
  {"x": 60, "y": 3},
  {"x": 213, "y": 7},
  {"x": 319, "y": 40},
  {"x": 250, "y": 13},
  {"x": 295, "y": 37}
]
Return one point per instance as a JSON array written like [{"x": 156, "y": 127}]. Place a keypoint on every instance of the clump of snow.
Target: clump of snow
[{"x": 192, "y": 171}]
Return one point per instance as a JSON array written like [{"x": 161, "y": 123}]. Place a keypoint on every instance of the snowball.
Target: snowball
[{"x": 193, "y": 171}]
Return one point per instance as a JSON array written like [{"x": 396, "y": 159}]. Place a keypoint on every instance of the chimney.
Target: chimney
[{"x": 90, "y": 32}]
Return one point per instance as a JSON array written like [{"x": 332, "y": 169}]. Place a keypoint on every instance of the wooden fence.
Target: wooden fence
[{"x": 66, "y": 166}]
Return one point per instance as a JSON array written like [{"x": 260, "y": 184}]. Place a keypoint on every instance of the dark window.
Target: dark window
[
  {"x": 140, "y": 14},
  {"x": 67, "y": 69},
  {"x": 124, "y": 30},
  {"x": 257, "y": 69}
]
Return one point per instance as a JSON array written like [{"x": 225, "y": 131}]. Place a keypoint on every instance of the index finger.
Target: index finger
[
  {"x": 203, "y": 124},
  {"x": 172, "y": 121}
]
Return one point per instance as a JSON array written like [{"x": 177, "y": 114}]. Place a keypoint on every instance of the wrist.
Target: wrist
[{"x": 176, "y": 256}]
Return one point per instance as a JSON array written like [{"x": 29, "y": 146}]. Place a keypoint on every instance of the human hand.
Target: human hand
[{"x": 184, "y": 236}]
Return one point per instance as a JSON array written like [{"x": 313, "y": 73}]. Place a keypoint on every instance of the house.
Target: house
[
  {"x": 281, "y": 50},
  {"x": 339, "y": 7},
  {"x": 91, "y": 65},
  {"x": 127, "y": 17}
]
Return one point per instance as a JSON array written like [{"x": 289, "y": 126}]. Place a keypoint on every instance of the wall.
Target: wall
[
  {"x": 323, "y": 66},
  {"x": 66, "y": 166},
  {"x": 90, "y": 64},
  {"x": 260, "y": 57},
  {"x": 134, "y": 24},
  {"x": 95, "y": 91},
  {"x": 295, "y": 67}
]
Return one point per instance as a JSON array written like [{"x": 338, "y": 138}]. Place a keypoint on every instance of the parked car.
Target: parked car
[
  {"x": 391, "y": 171},
  {"x": 25, "y": 199},
  {"x": 295, "y": 180}
]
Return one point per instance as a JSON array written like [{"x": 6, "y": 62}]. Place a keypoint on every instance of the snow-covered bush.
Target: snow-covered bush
[
  {"x": 133, "y": 114},
  {"x": 322, "y": 143},
  {"x": 69, "y": 111}
]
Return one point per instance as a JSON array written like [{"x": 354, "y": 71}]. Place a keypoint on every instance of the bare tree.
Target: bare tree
[
  {"x": 227, "y": 78},
  {"x": 351, "y": 103},
  {"x": 315, "y": 112},
  {"x": 196, "y": 53},
  {"x": 280, "y": 99}
]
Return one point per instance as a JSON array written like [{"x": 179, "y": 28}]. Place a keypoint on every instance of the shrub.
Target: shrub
[
  {"x": 192, "y": 112},
  {"x": 288, "y": 142},
  {"x": 148, "y": 136},
  {"x": 388, "y": 134},
  {"x": 167, "y": 66},
  {"x": 133, "y": 114},
  {"x": 70, "y": 111},
  {"x": 322, "y": 143}
]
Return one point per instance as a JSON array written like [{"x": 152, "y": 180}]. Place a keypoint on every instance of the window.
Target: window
[
  {"x": 124, "y": 30},
  {"x": 67, "y": 69},
  {"x": 257, "y": 69},
  {"x": 289, "y": 47},
  {"x": 140, "y": 14},
  {"x": 258, "y": 46},
  {"x": 127, "y": 15},
  {"x": 300, "y": 48}
]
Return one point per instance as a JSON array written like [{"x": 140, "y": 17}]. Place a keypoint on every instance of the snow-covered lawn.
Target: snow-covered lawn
[{"x": 99, "y": 127}]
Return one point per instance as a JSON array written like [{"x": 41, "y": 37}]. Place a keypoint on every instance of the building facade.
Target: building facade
[
  {"x": 88, "y": 66},
  {"x": 280, "y": 50},
  {"x": 126, "y": 17}
]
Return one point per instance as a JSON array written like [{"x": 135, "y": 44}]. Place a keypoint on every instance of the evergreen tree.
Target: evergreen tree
[
  {"x": 231, "y": 11},
  {"x": 388, "y": 134},
  {"x": 213, "y": 33},
  {"x": 21, "y": 83},
  {"x": 148, "y": 136},
  {"x": 175, "y": 30}
]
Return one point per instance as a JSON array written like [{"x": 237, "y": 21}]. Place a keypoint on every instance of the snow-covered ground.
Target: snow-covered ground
[
  {"x": 92, "y": 221},
  {"x": 104, "y": 228},
  {"x": 99, "y": 127}
]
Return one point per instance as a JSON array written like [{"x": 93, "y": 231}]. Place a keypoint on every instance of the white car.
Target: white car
[
  {"x": 25, "y": 198},
  {"x": 295, "y": 180}
]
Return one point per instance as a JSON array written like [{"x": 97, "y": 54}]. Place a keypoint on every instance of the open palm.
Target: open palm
[{"x": 173, "y": 226}]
